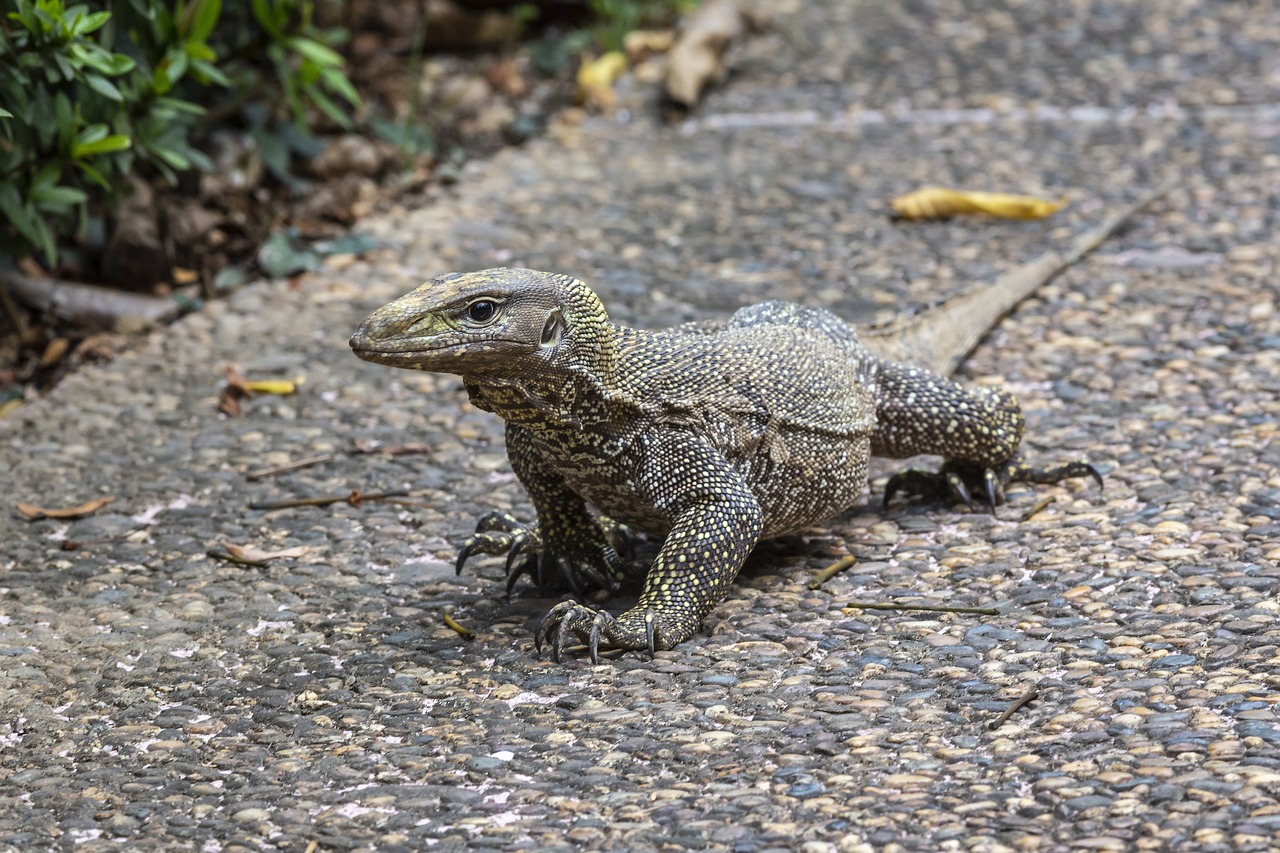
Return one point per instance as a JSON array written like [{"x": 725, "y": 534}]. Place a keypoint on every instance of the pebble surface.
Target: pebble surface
[{"x": 152, "y": 697}]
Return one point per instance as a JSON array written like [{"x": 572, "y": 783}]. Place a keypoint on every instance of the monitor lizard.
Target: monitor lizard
[{"x": 714, "y": 436}]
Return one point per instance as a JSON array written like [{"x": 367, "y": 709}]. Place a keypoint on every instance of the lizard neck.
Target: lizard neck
[{"x": 549, "y": 398}]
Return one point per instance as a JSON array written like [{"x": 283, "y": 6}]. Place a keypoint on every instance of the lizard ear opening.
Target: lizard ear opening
[{"x": 552, "y": 329}]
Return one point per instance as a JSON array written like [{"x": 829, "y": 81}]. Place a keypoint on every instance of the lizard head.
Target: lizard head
[{"x": 496, "y": 322}]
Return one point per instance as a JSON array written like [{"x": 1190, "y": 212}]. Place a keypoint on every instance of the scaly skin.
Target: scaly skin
[{"x": 712, "y": 437}]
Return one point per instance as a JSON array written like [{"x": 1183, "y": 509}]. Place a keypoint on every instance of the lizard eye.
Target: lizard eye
[{"x": 481, "y": 311}]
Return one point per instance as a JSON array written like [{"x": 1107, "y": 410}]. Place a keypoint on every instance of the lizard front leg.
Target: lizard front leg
[
  {"x": 977, "y": 432},
  {"x": 566, "y": 541},
  {"x": 715, "y": 522}
]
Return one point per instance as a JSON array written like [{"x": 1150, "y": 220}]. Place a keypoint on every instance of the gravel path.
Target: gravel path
[{"x": 152, "y": 697}]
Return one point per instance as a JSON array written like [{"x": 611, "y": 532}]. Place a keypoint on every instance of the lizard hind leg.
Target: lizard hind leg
[{"x": 960, "y": 481}]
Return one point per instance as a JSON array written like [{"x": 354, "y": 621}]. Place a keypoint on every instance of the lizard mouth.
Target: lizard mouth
[{"x": 406, "y": 354}]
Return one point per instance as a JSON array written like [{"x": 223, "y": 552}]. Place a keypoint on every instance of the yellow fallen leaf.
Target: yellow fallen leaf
[
  {"x": 941, "y": 203},
  {"x": 461, "y": 631},
  {"x": 34, "y": 513},
  {"x": 269, "y": 386},
  {"x": 596, "y": 78},
  {"x": 10, "y": 406}
]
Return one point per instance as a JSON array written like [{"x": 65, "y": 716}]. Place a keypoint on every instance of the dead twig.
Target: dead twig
[
  {"x": 1031, "y": 694},
  {"x": 11, "y": 311},
  {"x": 295, "y": 465},
  {"x": 831, "y": 571},
  {"x": 1037, "y": 506},
  {"x": 931, "y": 608},
  {"x": 354, "y": 498}
]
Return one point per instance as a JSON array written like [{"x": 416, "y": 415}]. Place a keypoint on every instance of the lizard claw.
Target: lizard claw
[
  {"x": 993, "y": 487},
  {"x": 530, "y": 566},
  {"x": 583, "y": 565},
  {"x": 570, "y": 620},
  {"x": 496, "y": 533},
  {"x": 955, "y": 484}
]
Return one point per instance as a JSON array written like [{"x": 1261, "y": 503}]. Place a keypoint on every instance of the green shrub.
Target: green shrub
[{"x": 89, "y": 95}]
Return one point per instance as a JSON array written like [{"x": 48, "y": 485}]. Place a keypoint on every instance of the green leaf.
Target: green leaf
[
  {"x": 58, "y": 197},
  {"x": 29, "y": 224},
  {"x": 112, "y": 64},
  {"x": 64, "y": 120},
  {"x": 44, "y": 238},
  {"x": 180, "y": 106},
  {"x": 11, "y": 203},
  {"x": 205, "y": 20},
  {"x": 92, "y": 133},
  {"x": 174, "y": 158},
  {"x": 160, "y": 79},
  {"x": 174, "y": 65},
  {"x": 267, "y": 18},
  {"x": 207, "y": 72},
  {"x": 338, "y": 82},
  {"x": 5, "y": 113},
  {"x": 61, "y": 69},
  {"x": 229, "y": 278},
  {"x": 93, "y": 175},
  {"x": 198, "y": 50},
  {"x": 103, "y": 87},
  {"x": 355, "y": 243},
  {"x": 115, "y": 142},
  {"x": 47, "y": 176},
  {"x": 329, "y": 108},
  {"x": 274, "y": 153},
  {"x": 89, "y": 23},
  {"x": 316, "y": 52},
  {"x": 278, "y": 257}
]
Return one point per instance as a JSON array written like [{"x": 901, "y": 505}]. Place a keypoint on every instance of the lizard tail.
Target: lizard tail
[{"x": 941, "y": 337}]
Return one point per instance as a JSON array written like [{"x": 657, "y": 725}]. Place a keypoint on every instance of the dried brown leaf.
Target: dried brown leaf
[
  {"x": 54, "y": 352},
  {"x": 697, "y": 57},
  {"x": 642, "y": 43},
  {"x": 229, "y": 401},
  {"x": 34, "y": 513},
  {"x": 250, "y": 554}
]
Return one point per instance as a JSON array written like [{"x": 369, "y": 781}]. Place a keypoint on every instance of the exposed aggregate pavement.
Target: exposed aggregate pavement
[{"x": 152, "y": 697}]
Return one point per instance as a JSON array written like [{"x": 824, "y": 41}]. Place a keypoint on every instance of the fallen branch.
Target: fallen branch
[
  {"x": 931, "y": 608},
  {"x": 295, "y": 465},
  {"x": 354, "y": 498},
  {"x": 88, "y": 304}
]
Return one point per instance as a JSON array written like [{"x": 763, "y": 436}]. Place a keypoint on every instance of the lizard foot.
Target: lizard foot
[
  {"x": 635, "y": 630},
  {"x": 589, "y": 562},
  {"x": 961, "y": 480}
]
